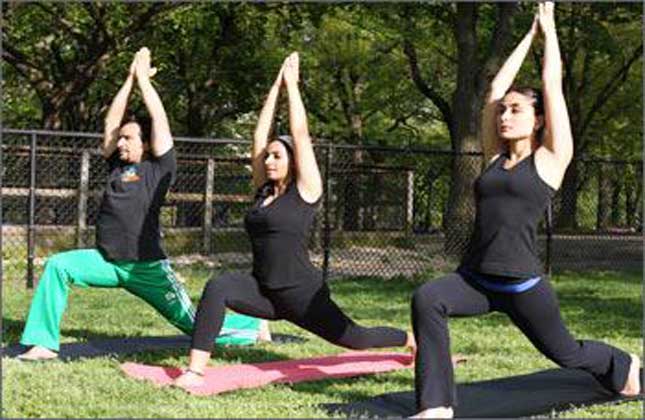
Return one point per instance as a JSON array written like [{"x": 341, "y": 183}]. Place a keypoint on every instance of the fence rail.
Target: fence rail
[{"x": 385, "y": 211}]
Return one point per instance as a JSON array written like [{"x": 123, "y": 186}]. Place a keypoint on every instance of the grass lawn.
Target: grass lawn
[{"x": 599, "y": 305}]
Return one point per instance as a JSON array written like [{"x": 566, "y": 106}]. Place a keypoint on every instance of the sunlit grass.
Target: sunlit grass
[{"x": 598, "y": 305}]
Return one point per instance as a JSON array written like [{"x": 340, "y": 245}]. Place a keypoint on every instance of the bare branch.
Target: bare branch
[
  {"x": 427, "y": 90},
  {"x": 60, "y": 21},
  {"x": 18, "y": 59},
  {"x": 610, "y": 87}
]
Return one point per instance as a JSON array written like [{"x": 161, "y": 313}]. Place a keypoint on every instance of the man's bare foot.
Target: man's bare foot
[
  {"x": 435, "y": 413},
  {"x": 38, "y": 353},
  {"x": 265, "y": 333},
  {"x": 189, "y": 379},
  {"x": 633, "y": 384}
]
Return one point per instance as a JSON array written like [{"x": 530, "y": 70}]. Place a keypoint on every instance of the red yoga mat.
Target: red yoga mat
[{"x": 254, "y": 375}]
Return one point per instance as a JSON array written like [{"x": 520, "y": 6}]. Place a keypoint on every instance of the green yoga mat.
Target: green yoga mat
[{"x": 239, "y": 330}]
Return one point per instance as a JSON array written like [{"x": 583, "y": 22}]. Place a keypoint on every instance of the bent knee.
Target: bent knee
[
  {"x": 55, "y": 270},
  {"x": 426, "y": 298},
  {"x": 219, "y": 286},
  {"x": 214, "y": 286},
  {"x": 55, "y": 262}
]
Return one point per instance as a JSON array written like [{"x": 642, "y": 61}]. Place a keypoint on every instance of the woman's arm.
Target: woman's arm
[
  {"x": 556, "y": 152},
  {"x": 500, "y": 84},
  {"x": 309, "y": 181},
  {"x": 262, "y": 131}
]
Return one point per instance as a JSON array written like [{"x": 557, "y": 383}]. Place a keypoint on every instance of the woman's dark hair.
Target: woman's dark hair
[
  {"x": 531, "y": 92},
  {"x": 268, "y": 188},
  {"x": 287, "y": 141},
  {"x": 538, "y": 103},
  {"x": 144, "y": 122}
]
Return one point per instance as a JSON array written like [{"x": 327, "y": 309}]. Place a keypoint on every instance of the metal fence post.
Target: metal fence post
[
  {"x": 326, "y": 221},
  {"x": 83, "y": 192},
  {"x": 32, "y": 210},
  {"x": 2, "y": 169},
  {"x": 409, "y": 213},
  {"x": 208, "y": 207},
  {"x": 619, "y": 244}
]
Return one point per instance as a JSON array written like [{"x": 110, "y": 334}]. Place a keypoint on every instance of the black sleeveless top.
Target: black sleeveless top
[
  {"x": 279, "y": 235},
  {"x": 510, "y": 204}
]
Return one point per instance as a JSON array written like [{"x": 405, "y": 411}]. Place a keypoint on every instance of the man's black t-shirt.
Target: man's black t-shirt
[{"x": 127, "y": 227}]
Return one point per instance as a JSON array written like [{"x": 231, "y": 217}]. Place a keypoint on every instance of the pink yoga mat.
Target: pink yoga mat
[{"x": 253, "y": 375}]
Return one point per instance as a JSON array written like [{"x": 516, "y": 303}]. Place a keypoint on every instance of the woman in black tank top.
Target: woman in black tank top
[
  {"x": 527, "y": 146},
  {"x": 283, "y": 283}
]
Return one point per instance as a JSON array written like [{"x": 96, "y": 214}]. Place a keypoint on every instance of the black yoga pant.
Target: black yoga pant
[
  {"x": 308, "y": 306},
  {"x": 535, "y": 312}
]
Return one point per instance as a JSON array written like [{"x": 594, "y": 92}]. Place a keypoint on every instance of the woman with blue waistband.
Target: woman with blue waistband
[{"x": 528, "y": 145}]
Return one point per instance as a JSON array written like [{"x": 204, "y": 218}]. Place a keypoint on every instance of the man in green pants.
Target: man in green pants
[{"x": 129, "y": 253}]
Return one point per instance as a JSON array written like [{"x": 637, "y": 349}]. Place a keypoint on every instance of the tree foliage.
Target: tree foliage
[{"x": 401, "y": 74}]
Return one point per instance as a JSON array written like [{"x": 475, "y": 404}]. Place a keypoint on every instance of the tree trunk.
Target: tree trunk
[
  {"x": 460, "y": 211},
  {"x": 475, "y": 70},
  {"x": 195, "y": 121},
  {"x": 53, "y": 120},
  {"x": 353, "y": 193},
  {"x": 466, "y": 105},
  {"x": 350, "y": 89},
  {"x": 617, "y": 181},
  {"x": 569, "y": 202},
  {"x": 631, "y": 203},
  {"x": 431, "y": 178},
  {"x": 638, "y": 214},
  {"x": 372, "y": 196},
  {"x": 604, "y": 195}
]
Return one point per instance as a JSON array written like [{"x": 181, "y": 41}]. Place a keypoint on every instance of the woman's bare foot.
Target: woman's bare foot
[
  {"x": 265, "y": 333},
  {"x": 411, "y": 345},
  {"x": 38, "y": 353},
  {"x": 458, "y": 358},
  {"x": 435, "y": 413},
  {"x": 633, "y": 385},
  {"x": 189, "y": 379}
]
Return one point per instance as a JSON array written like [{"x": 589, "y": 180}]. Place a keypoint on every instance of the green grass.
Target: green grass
[{"x": 599, "y": 305}]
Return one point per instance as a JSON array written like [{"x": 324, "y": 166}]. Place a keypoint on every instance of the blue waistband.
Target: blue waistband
[{"x": 496, "y": 286}]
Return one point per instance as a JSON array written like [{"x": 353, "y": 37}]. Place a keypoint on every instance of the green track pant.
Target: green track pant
[{"x": 152, "y": 281}]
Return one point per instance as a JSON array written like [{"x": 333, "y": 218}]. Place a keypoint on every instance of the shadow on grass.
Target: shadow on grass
[
  {"x": 354, "y": 392},
  {"x": 228, "y": 354},
  {"x": 12, "y": 331},
  {"x": 155, "y": 348}
]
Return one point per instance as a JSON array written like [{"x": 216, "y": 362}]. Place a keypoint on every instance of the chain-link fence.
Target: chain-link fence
[
  {"x": 385, "y": 211},
  {"x": 597, "y": 216}
]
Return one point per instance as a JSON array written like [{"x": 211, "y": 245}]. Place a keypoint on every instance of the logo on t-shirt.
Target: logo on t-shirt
[{"x": 130, "y": 174}]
